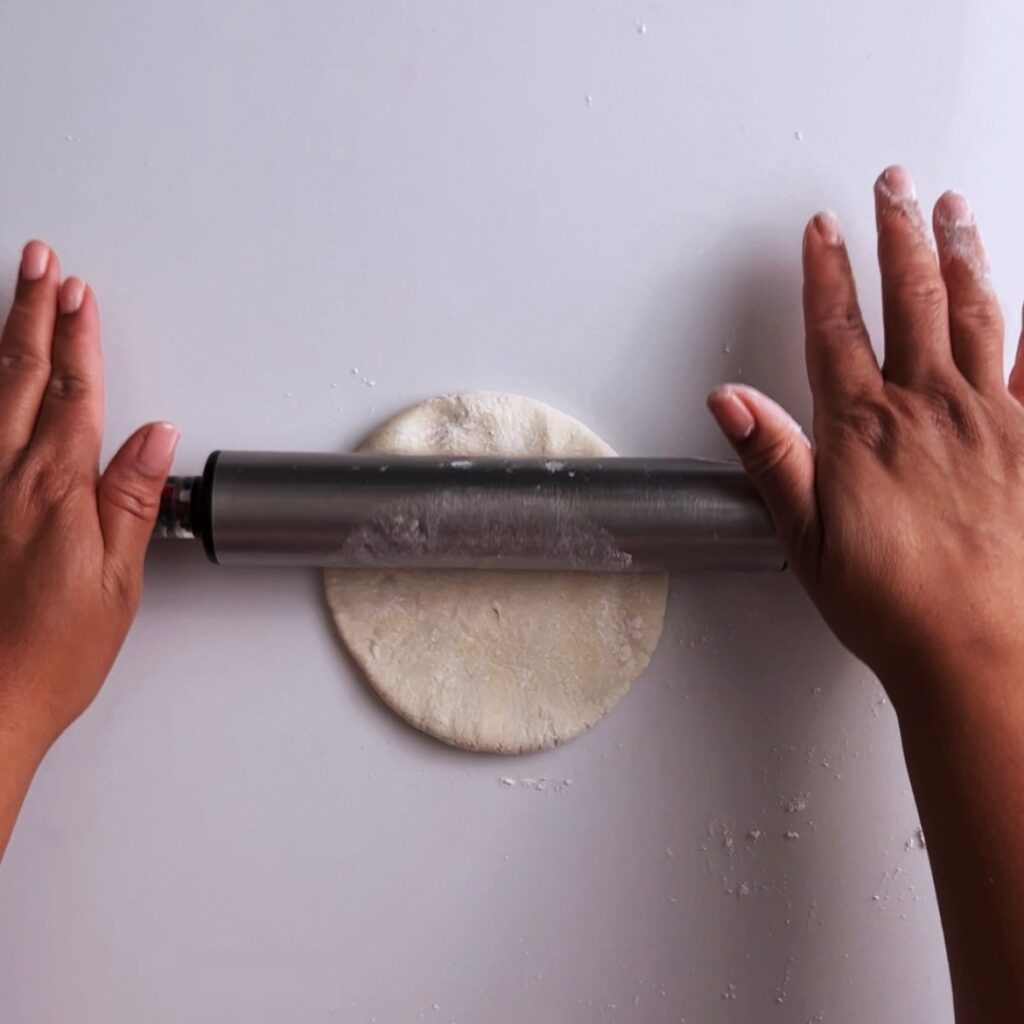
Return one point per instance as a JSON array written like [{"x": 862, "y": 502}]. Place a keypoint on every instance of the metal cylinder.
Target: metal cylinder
[{"x": 359, "y": 511}]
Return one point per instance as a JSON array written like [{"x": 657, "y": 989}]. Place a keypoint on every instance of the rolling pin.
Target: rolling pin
[{"x": 429, "y": 512}]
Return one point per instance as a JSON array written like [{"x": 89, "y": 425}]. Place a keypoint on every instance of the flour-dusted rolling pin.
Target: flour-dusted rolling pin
[{"x": 426, "y": 512}]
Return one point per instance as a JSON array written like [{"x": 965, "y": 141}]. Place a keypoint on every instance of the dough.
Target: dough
[{"x": 502, "y": 661}]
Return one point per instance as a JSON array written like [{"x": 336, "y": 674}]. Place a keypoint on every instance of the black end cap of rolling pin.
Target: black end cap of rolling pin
[{"x": 202, "y": 505}]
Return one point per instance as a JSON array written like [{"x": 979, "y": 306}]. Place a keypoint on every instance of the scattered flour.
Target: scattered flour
[
  {"x": 891, "y": 206},
  {"x": 794, "y": 804},
  {"x": 959, "y": 241},
  {"x": 540, "y": 785},
  {"x": 916, "y": 841},
  {"x": 780, "y": 997}
]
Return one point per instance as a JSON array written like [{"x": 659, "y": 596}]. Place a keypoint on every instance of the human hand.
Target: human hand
[
  {"x": 72, "y": 541},
  {"x": 905, "y": 522}
]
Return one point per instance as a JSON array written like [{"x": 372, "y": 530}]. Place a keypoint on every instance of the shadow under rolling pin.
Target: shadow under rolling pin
[{"x": 427, "y": 512}]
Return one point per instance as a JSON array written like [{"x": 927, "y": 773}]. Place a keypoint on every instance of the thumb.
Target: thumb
[
  {"x": 777, "y": 457},
  {"x": 1016, "y": 382},
  {"x": 128, "y": 498}
]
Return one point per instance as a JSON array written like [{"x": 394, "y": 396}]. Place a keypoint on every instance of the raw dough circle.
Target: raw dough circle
[{"x": 501, "y": 661}]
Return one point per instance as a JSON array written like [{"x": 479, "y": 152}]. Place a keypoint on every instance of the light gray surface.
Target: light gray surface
[{"x": 266, "y": 195}]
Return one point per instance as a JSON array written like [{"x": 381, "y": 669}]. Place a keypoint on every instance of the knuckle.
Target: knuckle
[
  {"x": 68, "y": 387},
  {"x": 922, "y": 290},
  {"x": 839, "y": 321},
  {"x": 951, "y": 412},
  {"x": 44, "y": 484},
  {"x": 24, "y": 364},
  {"x": 132, "y": 497},
  {"x": 979, "y": 316},
  {"x": 767, "y": 454},
  {"x": 871, "y": 423}
]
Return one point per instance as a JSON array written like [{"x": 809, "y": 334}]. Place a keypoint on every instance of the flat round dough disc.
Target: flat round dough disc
[{"x": 503, "y": 661}]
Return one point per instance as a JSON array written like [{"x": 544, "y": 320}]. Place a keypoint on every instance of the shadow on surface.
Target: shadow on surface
[{"x": 773, "y": 663}]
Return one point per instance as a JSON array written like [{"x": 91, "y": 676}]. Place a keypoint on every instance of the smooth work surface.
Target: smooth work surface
[{"x": 298, "y": 219}]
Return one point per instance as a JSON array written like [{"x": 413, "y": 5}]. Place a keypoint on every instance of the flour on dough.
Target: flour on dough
[{"x": 500, "y": 661}]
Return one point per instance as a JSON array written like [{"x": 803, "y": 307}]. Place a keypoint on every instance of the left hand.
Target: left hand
[{"x": 72, "y": 541}]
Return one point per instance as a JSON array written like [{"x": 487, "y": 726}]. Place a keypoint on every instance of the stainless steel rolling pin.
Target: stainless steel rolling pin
[{"x": 361, "y": 511}]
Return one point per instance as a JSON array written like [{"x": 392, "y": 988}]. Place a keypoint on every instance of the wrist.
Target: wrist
[
  {"x": 22, "y": 747},
  {"x": 24, "y": 735},
  {"x": 942, "y": 689}
]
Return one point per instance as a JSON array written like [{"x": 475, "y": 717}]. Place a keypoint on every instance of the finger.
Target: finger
[
  {"x": 777, "y": 457},
  {"x": 71, "y": 415},
  {"x": 128, "y": 499},
  {"x": 840, "y": 361},
  {"x": 914, "y": 308},
  {"x": 1016, "y": 382},
  {"x": 25, "y": 346},
  {"x": 975, "y": 322}
]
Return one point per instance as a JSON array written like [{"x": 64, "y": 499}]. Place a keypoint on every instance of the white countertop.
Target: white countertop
[{"x": 529, "y": 197}]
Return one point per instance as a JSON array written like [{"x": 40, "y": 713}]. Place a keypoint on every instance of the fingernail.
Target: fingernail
[
  {"x": 896, "y": 181},
  {"x": 72, "y": 293},
  {"x": 827, "y": 224},
  {"x": 955, "y": 210},
  {"x": 35, "y": 258},
  {"x": 731, "y": 414},
  {"x": 158, "y": 447}
]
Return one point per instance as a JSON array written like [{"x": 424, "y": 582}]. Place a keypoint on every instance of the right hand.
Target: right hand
[{"x": 905, "y": 521}]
